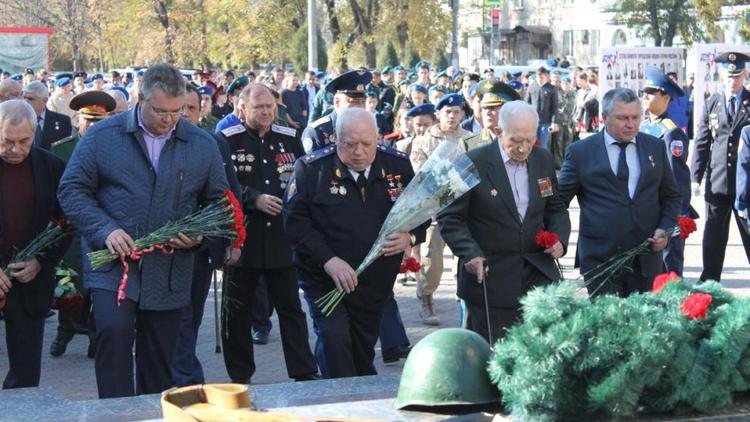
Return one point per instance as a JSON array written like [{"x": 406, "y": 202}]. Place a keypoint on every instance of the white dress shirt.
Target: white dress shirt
[
  {"x": 631, "y": 157},
  {"x": 518, "y": 176}
]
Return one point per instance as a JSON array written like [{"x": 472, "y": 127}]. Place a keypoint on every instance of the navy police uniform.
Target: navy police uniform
[
  {"x": 326, "y": 216},
  {"x": 677, "y": 144},
  {"x": 715, "y": 161},
  {"x": 322, "y": 132},
  {"x": 264, "y": 165}
]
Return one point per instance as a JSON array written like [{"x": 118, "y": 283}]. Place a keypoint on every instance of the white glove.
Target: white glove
[{"x": 696, "y": 189}]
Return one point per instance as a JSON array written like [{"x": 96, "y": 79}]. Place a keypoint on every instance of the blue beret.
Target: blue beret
[
  {"x": 351, "y": 84},
  {"x": 387, "y": 69},
  {"x": 399, "y": 67},
  {"x": 60, "y": 75},
  {"x": 421, "y": 109},
  {"x": 515, "y": 84},
  {"x": 62, "y": 82},
  {"x": 450, "y": 100},
  {"x": 656, "y": 80},
  {"x": 419, "y": 88},
  {"x": 567, "y": 79},
  {"x": 442, "y": 74},
  {"x": 206, "y": 90},
  {"x": 139, "y": 72},
  {"x": 440, "y": 88},
  {"x": 123, "y": 90},
  {"x": 320, "y": 75},
  {"x": 733, "y": 62},
  {"x": 472, "y": 89},
  {"x": 97, "y": 76},
  {"x": 517, "y": 74},
  {"x": 17, "y": 77}
]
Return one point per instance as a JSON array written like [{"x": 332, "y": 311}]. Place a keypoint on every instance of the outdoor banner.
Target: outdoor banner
[
  {"x": 625, "y": 67},
  {"x": 708, "y": 73},
  {"x": 22, "y": 48}
]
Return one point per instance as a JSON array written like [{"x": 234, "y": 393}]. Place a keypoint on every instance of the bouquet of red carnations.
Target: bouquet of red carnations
[{"x": 221, "y": 218}]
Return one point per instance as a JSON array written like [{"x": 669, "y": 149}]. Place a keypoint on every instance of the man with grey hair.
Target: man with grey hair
[
  {"x": 627, "y": 194},
  {"x": 10, "y": 90},
  {"x": 52, "y": 126},
  {"x": 29, "y": 177},
  {"x": 492, "y": 228},
  {"x": 334, "y": 206},
  {"x": 129, "y": 175},
  {"x": 120, "y": 100}
]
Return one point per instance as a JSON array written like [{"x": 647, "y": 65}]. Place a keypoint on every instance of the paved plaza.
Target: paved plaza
[{"x": 72, "y": 375}]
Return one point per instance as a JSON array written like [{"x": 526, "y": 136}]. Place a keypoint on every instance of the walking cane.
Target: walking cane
[
  {"x": 487, "y": 305},
  {"x": 217, "y": 323}
]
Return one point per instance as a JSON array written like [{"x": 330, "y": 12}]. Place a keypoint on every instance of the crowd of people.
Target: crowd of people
[{"x": 317, "y": 166}]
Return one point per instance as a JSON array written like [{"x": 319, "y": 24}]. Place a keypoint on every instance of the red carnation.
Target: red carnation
[
  {"x": 239, "y": 219},
  {"x": 409, "y": 264},
  {"x": 687, "y": 225},
  {"x": 661, "y": 280},
  {"x": 696, "y": 305},
  {"x": 546, "y": 239}
]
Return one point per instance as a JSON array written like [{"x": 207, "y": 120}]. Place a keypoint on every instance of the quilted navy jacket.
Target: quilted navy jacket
[{"x": 109, "y": 183}]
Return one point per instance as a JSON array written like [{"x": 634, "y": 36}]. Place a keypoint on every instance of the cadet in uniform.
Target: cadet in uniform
[
  {"x": 716, "y": 143},
  {"x": 348, "y": 91},
  {"x": 91, "y": 106},
  {"x": 59, "y": 101},
  {"x": 334, "y": 207},
  {"x": 233, "y": 90},
  {"x": 657, "y": 94},
  {"x": 263, "y": 154},
  {"x": 492, "y": 93}
]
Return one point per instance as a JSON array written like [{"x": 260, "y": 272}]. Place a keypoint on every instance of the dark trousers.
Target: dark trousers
[
  {"x": 392, "y": 331},
  {"x": 70, "y": 319},
  {"x": 117, "y": 328},
  {"x": 262, "y": 308},
  {"x": 626, "y": 283},
  {"x": 719, "y": 209},
  {"x": 502, "y": 318},
  {"x": 186, "y": 368},
  {"x": 239, "y": 291},
  {"x": 674, "y": 255},
  {"x": 346, "y": 339},
  {"x": 24, "y": 334}
]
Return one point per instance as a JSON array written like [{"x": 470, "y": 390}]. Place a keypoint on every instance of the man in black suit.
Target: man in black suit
[
  {"x": 543, "y": 96},
  {"x": 28, "y": 185},
  {"x": 626, "y": 191},
  {"x": 51, "y": 126},
  {"x": 715, "y": 161},
  {"x": 495, "y": 224}
]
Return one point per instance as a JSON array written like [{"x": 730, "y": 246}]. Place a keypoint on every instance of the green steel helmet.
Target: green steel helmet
[{"x": 447, "y": 368}]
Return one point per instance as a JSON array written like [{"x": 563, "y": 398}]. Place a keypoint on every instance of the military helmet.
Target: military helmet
[{"x": 447, "y": 368}]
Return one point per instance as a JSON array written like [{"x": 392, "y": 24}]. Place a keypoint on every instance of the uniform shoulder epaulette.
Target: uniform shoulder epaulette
[
  {"x": 392, "y": 151},
  {"x": 288, "y": 131},
  {"x": 471, "y": 136},
  {"x": 322, "y": 120},
  {"x": 233, "y": 130},
  {"x": 62, "y": 141},
  {"x": 669, "y": 124},
  {"x": 317, "y": 155}
]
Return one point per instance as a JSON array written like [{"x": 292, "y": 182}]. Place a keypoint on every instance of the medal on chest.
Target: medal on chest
[{"x": 395, "y": 187}]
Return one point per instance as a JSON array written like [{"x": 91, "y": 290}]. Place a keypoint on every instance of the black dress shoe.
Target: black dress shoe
[
  {"x": 260, "y": 337},
  {"x": 308, "y": 377},
  {"x": 59, "y": 344},
  {"x": 392, "y": 356}
]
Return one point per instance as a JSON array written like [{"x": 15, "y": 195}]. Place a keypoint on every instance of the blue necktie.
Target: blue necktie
[{"x": 732, "y": 107}]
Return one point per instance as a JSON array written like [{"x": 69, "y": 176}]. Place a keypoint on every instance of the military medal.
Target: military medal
[
  {"x": 342, "y": 190},
  {"x": 398, "y": 182},
  {"x": 338, "y": 173},
  {"x": 493, "y": 192},
  {"x": 57, "y": 125},
  {"x": 250, "y": 158},
  {"x": 241, "y": 158},
  {"x": 335, "y": 188},
  {"x": 545, "y": 187},
  {"x": 281, "y": 147}
]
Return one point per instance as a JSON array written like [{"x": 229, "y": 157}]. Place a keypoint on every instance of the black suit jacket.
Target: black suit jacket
[
  {"x": 716, "y": 144},
  {"x": 485, "y": 222},
  {"x": 56, "y": 127},
  {"x": 610, "y": 221},
  {"x": 36, "y": 295}
]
